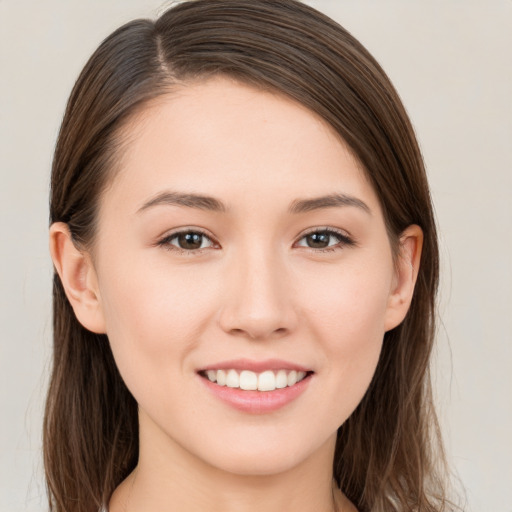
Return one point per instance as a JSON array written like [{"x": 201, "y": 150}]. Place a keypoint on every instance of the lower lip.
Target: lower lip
[{"x": 257, "y": 402}]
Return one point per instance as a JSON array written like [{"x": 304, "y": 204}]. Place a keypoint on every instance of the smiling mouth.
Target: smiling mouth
[{"x": 247, "y": 380}]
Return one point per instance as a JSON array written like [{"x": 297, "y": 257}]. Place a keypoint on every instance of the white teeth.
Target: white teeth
[
  {"x": 221, "y": 377},
  {"x": 266, "y": 381},
  {"x": 281, "y": 379},
  {"x": 292, "y": 378},
  {"x": 247, "y": 380},
  {"x": 232, "y": 379}
]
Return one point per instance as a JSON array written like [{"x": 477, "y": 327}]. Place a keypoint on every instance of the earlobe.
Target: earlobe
[
  {"x": 78, "y": 278},
  {"x": 406, "y": 273}
]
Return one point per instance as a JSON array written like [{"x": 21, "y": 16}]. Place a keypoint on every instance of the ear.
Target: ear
[
  {"x": 406, "y": 273},
  {"x": 78, "y": 278}
]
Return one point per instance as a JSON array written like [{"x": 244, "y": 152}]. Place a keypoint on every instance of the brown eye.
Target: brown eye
[
  {"x": 318, "y": 240},
  {"x": 190, "y": 240},
  {"x": 187, "y": 241},
  {"x": 325, "y": 239}
]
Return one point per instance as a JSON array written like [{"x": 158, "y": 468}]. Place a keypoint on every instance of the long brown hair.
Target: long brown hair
[{"x": 388, "y": 455}]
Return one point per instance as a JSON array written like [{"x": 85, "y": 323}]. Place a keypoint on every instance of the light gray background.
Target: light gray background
[{"x": 450, "y": 60}]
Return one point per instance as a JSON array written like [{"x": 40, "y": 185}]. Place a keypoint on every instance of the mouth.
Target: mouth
[
  {"x": 256, "y": 387},
  {"x": 247, "y": 380}
]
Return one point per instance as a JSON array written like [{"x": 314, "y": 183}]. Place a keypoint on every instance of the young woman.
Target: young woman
[{"x": 246, "y": 269}]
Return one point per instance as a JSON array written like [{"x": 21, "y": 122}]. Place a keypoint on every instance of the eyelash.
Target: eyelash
[{"x": 344, "y": 240}]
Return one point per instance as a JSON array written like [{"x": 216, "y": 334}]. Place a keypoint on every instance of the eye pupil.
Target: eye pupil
[
  {"x": 318, "y": 240},
  {"x": 190, "y": 240}
]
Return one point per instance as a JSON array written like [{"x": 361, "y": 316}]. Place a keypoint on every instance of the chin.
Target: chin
[
  {"x": 262, "y": 463},
  {"x": 256, "y": 456}
]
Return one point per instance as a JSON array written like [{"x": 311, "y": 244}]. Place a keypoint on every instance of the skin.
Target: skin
[{"x": 255, "y": 290}]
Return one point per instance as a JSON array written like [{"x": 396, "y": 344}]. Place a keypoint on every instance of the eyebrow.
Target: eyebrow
[
  {"x": 209, "y": 203},
  {"x": 189, "y": 200},
  {"x": 328, "y": 201}
]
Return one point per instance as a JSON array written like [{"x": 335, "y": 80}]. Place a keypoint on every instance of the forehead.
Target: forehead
[{"x": 230, "y": 140}]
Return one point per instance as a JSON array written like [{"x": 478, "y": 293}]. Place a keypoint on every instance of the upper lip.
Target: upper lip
[{"x": 256, "y": 366}]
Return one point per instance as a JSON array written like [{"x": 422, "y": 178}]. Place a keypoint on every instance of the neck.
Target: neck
[{"x": 168, "y": 477}]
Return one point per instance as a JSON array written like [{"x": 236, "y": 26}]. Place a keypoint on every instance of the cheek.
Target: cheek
[
  {"x": 153, "y": 317},
  {"x": 349, "y": 317},
  {"x": 352, "y": 301}
]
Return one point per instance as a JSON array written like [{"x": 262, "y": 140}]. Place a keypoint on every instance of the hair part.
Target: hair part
[{"x": 91, "y": 424}]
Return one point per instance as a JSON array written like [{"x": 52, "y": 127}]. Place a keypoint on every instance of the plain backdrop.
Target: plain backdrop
[{"x": 451, "y": 62}]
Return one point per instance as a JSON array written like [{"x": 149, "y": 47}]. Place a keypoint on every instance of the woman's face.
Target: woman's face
[{"x": 240, "y": 235}]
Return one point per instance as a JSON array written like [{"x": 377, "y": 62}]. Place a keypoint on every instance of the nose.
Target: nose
[{"x": 258, "y": 299}]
